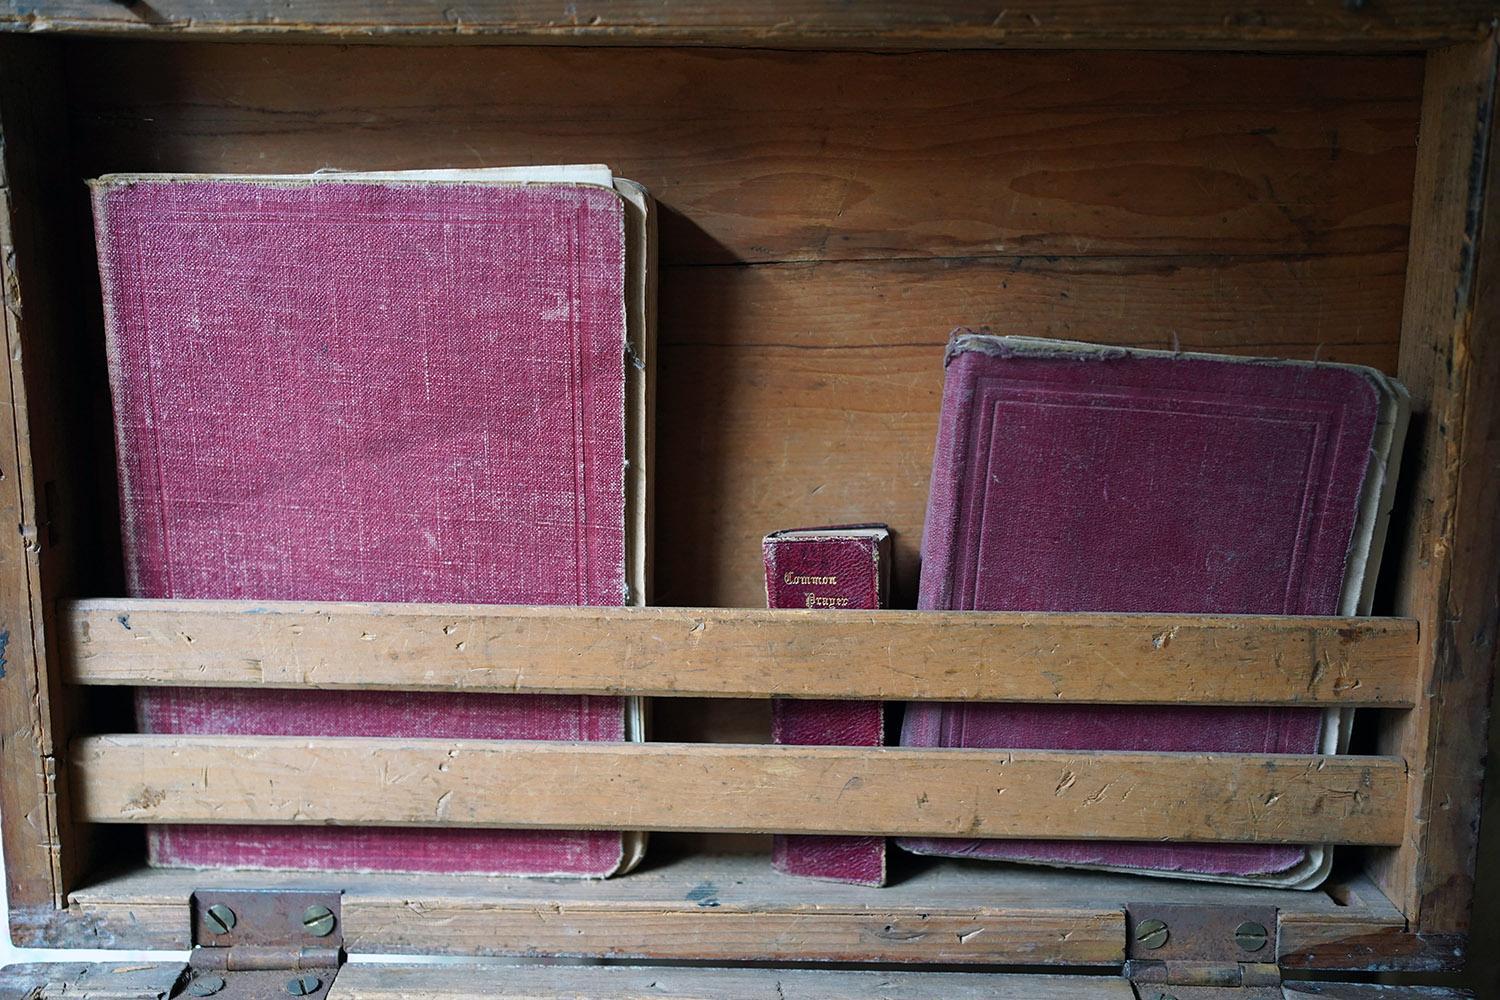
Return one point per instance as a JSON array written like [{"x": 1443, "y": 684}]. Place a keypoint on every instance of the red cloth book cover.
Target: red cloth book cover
[
  {"x": 397, "y": 387},
  {"x": 1070, "y": 477},
  {"x": 846, "y": 567}
]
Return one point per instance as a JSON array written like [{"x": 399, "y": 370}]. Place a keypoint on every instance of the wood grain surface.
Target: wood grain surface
[
  {"x": 465, "y": 982},
  {"x": 892, "y": 656},
  {"x": 1268, "y": 24},
  {"x": 779, "y": 156},
  {"x": 1234, "y": 798},
  {"x": 1450, "y": 361}
]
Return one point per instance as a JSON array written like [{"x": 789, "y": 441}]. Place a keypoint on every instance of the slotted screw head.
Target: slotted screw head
[
  {"x": 1151, "y": 934},
  {"x": 1250, "y": 936},
  {"x": 206, "y": 986},
  {"x": 303, "y": 986},
  {"x": 219, "y": 919},
  {"x": 318, "y": 920}
]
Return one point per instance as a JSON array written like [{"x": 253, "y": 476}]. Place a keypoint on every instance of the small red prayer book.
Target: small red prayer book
[{"x": 846, "y": 568}]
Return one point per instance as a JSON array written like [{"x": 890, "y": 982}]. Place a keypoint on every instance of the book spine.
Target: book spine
[
  {"x": 922, "y": 721},
  {"x": 832, "y": 573}
]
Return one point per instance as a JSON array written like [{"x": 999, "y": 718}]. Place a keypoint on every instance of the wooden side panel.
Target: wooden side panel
[
  {"x": 29, "y": 804},
  {"x": 1234, "y": 798},
  {"x": 1450, "y": 361},
  {"x": 886, "y": 656},
  {"x": 40, "y": 543},
  {"x": 1270, "y": 24}
]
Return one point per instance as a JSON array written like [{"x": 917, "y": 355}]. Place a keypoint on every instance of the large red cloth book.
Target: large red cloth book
[
  {"x": 846, "y": 567},
  {"x": 1071, "y": 477},
  {"x": 425, "y": 386}
]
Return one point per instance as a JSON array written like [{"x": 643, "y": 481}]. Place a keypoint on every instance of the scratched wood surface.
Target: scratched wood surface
[
  {"x": 1269, "y": 24},
  {"x": 739, "y": 909},
  {"x": 91, "y": 980},
  {"x": 623, "y": 983},
  {"x": 1450, "y": 360},
  {"x": 1230, "y": 798},
  {"x": 889, "y": 656},
  {"x": 155, "y": 981}
]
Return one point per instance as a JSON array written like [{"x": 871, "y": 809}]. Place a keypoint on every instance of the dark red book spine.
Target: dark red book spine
[{"x": 844, "y": 569}]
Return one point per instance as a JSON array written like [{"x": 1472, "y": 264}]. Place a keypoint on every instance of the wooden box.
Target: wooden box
[{"x": 840, "y": 184}]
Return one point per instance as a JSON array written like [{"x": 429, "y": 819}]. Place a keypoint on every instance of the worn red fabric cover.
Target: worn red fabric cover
[
  {"x": 1099, "y": 482},
  {"x": 843, "y": 571},
  {"x": 370, "y": 392}
]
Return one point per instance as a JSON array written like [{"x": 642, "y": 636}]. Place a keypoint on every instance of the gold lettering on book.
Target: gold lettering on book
[
  {"x": 819, "y": 601},
  {"x": 795, "y": 580}
]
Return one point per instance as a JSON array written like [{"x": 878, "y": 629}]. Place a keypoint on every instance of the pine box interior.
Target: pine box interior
[{"x": 827, "y": 215}]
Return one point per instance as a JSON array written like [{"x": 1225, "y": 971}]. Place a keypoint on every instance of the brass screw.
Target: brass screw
[
  {"x": 1250, "y": 935},
  {"x": 303, "y": 986},
  {"x": 206, "y": 986},
  {"x": 318, "y": 920},
  {"x": 1151, "y": 934},
  {"x": 220, "y": 919}
]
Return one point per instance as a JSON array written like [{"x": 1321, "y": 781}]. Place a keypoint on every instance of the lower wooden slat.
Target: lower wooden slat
[
  {"x": 1237, "y": 798},
  {"x": 380, "y": 981},
  {"x": 737, "y": 909},
  {"x": 475, "y": 982}
]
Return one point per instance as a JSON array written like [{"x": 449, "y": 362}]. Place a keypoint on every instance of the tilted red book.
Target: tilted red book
[
  {"x": 423, "y": 386},
  {"x": 846, "y": 567},
  {"x": 1072, "y": 477}
]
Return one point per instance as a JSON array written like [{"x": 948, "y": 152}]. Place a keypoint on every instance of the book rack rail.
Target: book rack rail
[
  {"x": 726, "y": 788},
  {"x": 668, "y": 652}
]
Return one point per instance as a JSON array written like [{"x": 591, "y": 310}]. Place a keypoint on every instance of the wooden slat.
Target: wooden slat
[
  {"x": 733, "y": 788},
  {"x": 895, "y": 655},
  {"x": 717, "y": 909},
  {"x": 476, "y": 982},
  {"x": 1267, "y": 24},
  {"x": 1450, "y": 360},
  {"x": 733, "y": 909},
  {"x": 777, "y": 156},
  {"x": 91, "y": 980}
]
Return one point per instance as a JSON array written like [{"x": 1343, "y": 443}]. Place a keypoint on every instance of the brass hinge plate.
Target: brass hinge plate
[
  {"x": 1185, "y": 951},
  {"x": 252, "y": 944}
]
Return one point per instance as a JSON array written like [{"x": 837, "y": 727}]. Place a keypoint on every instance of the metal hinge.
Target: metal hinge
[
  {"x": 252, "y": 944},
  {"x": 1177, "y": 951}
]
